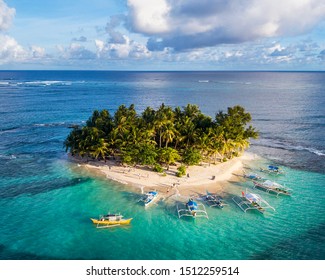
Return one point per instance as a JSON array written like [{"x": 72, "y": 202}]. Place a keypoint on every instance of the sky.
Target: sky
[{"x": 162, "y": 35}]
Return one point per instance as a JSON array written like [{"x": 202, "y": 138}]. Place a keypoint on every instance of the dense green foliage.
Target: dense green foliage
[
  {"x": 181, "y": 171},
  {"x": 164, "y": 136}
]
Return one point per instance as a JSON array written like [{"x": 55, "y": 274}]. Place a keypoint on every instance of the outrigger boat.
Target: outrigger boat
[
  {"x": 149, "y": 197},
  {"x": 192, "y": 209},
  {"x": 272, "y": 170},
  {"x": 251, "y": 201},
  {"x": 214, "y": 200},
  {"x": 110, "y": 220},
  {"x": 272, "y": 187},
  {"x": 253, "y": 176}
]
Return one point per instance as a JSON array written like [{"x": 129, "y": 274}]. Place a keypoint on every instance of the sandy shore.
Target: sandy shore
[{"x": 199, "y": 180}]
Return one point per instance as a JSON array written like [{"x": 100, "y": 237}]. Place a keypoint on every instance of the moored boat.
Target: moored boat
[
  {"x": 214, "y": 200},
  {"x": 149, "y": 197},
  {"x": 192, "y": 209},
  {"x": 251, "y": 201},
  {"x": 271, "y": 169},
  {"x": 111, "y": 220},
  {"x": 272, "y": 187},
  {"x": 253, "y": 176}
]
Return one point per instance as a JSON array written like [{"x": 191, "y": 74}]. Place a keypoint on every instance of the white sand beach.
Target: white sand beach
[{"x": 198, "y": 180}]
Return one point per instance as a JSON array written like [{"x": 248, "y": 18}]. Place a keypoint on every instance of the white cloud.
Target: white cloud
[
  {"x": 188, "y": 24},
  {"x": 6, "y": 15},
  {"x": 37, "y": 52},
  {"x": 10, "y": 50},
  {"x": 115, "y": 36},
  {"x": 128, "y": 49},
  {"x": 322, "y": 55},
  {"x": 75, "y": 52},
  {"x": 150, "y": 17}
]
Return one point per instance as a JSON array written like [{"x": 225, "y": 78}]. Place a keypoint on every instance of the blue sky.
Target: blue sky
[{"x": 162, "y": 34}]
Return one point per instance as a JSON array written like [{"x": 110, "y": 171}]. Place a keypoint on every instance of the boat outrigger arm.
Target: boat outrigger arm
[{"x": 197, "y": 213}]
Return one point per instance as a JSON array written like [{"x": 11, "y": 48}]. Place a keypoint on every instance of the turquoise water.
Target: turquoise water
[
  {"x": 56, "y": 225},
  {"x": 46, "y": 201}
]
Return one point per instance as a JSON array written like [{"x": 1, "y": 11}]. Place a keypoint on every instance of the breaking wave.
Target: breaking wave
[
  {"x": 290, "y": 147},
  {"x": 40, "y": 83}
]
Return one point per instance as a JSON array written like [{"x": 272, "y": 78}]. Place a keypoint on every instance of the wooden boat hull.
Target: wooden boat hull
[{"x": 107, "y": 222}]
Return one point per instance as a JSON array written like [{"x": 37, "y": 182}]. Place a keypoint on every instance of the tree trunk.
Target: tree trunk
[{"x": 159, "y": 139}]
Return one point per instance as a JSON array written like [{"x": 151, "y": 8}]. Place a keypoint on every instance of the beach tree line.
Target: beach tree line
[{"x": 162, "y": 137}]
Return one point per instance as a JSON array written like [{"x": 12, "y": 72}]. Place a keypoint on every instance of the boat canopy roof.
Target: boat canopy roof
[
  {"x": 192, "y": 204},
  {"x": 252, "y": 196},
  {"x": 270, "y": 184},
  {"x": 272, "y": 167},
  {"x": 193, "y": 209},
  {"x": 153, "y": 193}
]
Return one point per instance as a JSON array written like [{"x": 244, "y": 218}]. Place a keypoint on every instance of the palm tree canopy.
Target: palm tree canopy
[{"x": 165, "y": 135}]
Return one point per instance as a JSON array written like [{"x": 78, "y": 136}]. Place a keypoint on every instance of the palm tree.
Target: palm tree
[
  {"x": 138, "y": 139},
  {"x": 120, "y": 129},
  {"x": 163, "y": 115},
  {"x": 188, "y": 131},
  {"x": 100, "y": 150},
  {"x": 191, "y": 111},
  {"x": 168, "y": 156},
  {"x": 168, "y": 132}
]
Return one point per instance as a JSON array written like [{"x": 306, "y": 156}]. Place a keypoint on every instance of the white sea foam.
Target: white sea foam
[
  {"x": 311, "y": 150},
  {"x": 319, "y": 153},
  {"x": 47, "y": 83},
  {"x": 7, "y": 156},
  {"x": 285, "y": 146},
  {"x": 49, "y": 124}
]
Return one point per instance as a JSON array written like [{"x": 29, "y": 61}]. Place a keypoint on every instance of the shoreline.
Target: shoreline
[{"x": 201, "y": 178}]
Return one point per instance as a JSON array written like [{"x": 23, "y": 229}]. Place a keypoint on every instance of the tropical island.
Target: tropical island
[{"x": 164, "y": 144}]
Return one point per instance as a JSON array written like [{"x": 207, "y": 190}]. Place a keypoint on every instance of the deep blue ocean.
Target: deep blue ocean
[{"x": 46, "y": 200}]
